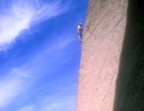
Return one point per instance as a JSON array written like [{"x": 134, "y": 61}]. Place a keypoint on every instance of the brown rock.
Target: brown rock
[{"x": 111, "y": 74}]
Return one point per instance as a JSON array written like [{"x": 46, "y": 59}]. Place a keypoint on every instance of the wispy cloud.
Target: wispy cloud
[
  {"x": 13, "y": 85},
  {"x": 48, "y": 57},
  {"x": 17, "y": 80},
  {"x": 8, "y": 90},
  {"x": 52, "y": 104},
  {"x": 21, "y": 14},
  {"x": 60, "y": 104},
  {"x": 27, "y": 108},
  {"x": 60, "y": 101},
  {"x": 63, "y": 100}
]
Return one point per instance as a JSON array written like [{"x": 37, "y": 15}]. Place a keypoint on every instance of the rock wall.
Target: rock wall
[{"x": 111, "y": 76}]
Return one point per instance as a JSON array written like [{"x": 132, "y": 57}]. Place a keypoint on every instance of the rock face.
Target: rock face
[{"x": 111, "y": 74}]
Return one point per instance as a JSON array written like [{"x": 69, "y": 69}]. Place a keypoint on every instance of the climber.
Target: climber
[{"x": 80, "y": 31}]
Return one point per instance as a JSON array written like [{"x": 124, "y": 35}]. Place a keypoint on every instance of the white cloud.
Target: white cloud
[
  {"x": 56, "y": 102},
  {"x": 18, "y": 80},
  {"x": 12, "y": 86},
  {"x": 21, "y": 73},
  {"x": 60, "y": 104},
  {"x": 27, "y": 108},
  {"x": 62, "y": 100},
  {"x": 21, "y": 14},
  {"x": 48, "y": 56},
  {"x": 8, "y": 90}
]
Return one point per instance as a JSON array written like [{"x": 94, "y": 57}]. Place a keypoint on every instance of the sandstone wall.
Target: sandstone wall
[{"x": 107, "y": 58}]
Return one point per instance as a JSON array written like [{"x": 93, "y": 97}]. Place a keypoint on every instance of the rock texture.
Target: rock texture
[{"x": 111, "y": 74}]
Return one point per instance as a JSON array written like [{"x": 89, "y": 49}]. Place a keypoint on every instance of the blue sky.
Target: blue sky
[{"x": 39, "y": 54}]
